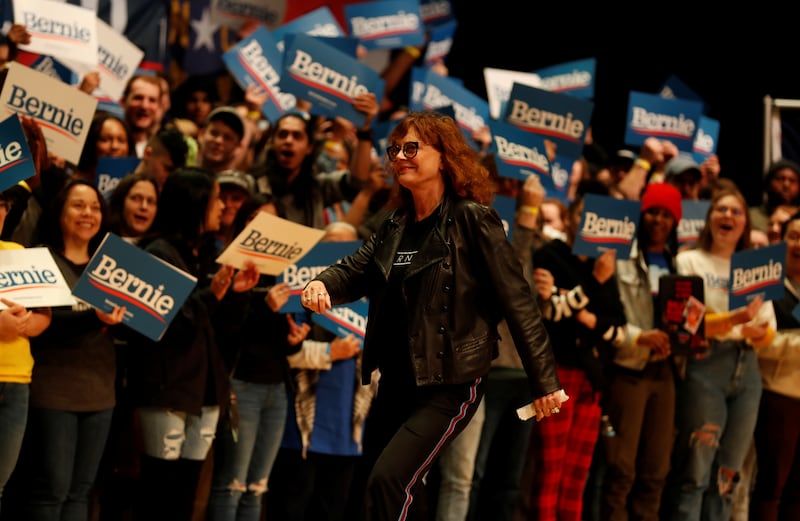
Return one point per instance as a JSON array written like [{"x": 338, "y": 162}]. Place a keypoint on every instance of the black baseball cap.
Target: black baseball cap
[{"x": 230, "y": 117}]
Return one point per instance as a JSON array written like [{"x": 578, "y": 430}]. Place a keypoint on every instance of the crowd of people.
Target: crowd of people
[{"x": 244, "y": 412}]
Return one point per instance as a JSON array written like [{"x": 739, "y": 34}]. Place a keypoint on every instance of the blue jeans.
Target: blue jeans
[
  {"x": 717, "y": 411},
  {"x": 242, "y": 467},
  {"x": 503, "y": 447},
  {"x": 65, "y": 452},
  {"x": 13, "y": 417},
  {"x": 457, "y": 465},
  {"x": 171, "y": 435}
]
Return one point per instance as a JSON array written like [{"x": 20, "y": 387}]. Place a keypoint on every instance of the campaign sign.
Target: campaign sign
[
  {"x": 561, "y": 118},
  {"x": 471, "y": 111},
  {"x": 110, "y": 106},
  {"x": 693, "y": 220},
  {"x": 347, "y": 319},
  {"x": 418, "y": 77},
  {"x": 48, "y": 65},
  {"x": 505, "y": 207},
  {"x": 650, "y": 115},
  {"x": 519, "y": 154},
  {"x": 326, "y": 77},
  {"x": 117, "y": 61},
  {"x": 416, "y": 87},
  {"x": 319, "y": 22},
  {"x": 16, "y": 162},
  {"x": 30, "y": 277},
  {"x": 271, "y": 243},
  {"x": 236, "y": 13},
  {"x": 385, "y": 24},
  {"x": 435, "y": 12},
  {"x": 575, "y": 78},
  {"x": 675, "y": 88},
  {"x": 382, "y": 129},
  {"x": 498, "y": 87},
  {"x": 757, "y": 272},
  {"x": 63, "y": 112},
  {"x": 560, "y": 170},
  {"x": 58, "y": 29},
  {"x": 256, "y": 60},
  {"x": 440, "y": 41},
  {"x": 447, "y": 110},
  {"x": 111, "y": 169},
  {"x": 705, "y": 139},
  {"x": 321, "y": 256},
  {"x": 122, "y": 274},
  {"x": 607, "y": 223},
  {"x": 346, "y": 44}
]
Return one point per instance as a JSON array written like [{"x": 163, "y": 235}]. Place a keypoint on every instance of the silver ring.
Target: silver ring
[
  {"x": 555, "y": 410},
  {"x": 322, "y": 294}
]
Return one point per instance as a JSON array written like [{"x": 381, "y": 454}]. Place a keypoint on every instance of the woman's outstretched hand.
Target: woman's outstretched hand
[{"x": 315, "y": 297}]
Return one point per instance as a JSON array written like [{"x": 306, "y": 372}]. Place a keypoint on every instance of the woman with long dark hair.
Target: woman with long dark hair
[
  {"x": 72, "y": 387},
  {"x": 108, "y": 136},
  {"x": 180, "y": 383},
  {"x": 132, "y": 206}
]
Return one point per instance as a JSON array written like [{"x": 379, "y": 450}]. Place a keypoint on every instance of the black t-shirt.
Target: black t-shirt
[{"x": 392, "y": 318}]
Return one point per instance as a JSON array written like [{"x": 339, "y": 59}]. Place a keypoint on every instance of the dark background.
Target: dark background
[{"x": 731, "y": 60}]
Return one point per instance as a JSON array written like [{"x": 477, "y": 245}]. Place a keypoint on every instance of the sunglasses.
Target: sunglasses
[{"x": 409, "y": 149}]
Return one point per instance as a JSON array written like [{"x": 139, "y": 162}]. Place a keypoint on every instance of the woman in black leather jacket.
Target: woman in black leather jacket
[{"x": 439, "y": 274}]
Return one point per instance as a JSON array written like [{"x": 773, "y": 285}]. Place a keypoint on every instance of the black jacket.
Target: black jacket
[
  {"x": 577, "y": 346},
  {"x": 254, "y": 341},
  {"x": 184, "y": 370},
  {"x": 470, "y": 279}
]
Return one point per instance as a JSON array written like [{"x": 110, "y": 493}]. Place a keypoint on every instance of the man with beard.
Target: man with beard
[{"x": 141, "y": 105}]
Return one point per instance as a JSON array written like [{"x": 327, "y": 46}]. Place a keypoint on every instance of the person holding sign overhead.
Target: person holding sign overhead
[
  {"x": 718, "y": 397},
  {"x": 289, "y": 172},
  {"x": 180, "y": 383},
  {"x": 440, "y": 275}
]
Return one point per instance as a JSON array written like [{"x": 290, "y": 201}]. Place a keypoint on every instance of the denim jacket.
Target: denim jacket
[{"x": 637, "y": 299}]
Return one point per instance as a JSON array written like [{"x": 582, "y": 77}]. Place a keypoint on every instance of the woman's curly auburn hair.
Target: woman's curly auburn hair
[{"x": 465, "y": 176}]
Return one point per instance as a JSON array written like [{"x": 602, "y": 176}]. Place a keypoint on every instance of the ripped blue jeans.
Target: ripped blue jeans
[
  {"x": 243, "y": 465},
  {"x": 169, "y": 434},
  {"x": 717, "y": 410}
]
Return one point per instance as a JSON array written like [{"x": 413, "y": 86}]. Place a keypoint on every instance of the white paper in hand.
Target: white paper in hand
[{"x": 526, "y": 412}]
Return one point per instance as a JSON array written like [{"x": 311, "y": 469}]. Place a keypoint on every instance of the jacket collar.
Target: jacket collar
[{"x": 434, "y": 249}]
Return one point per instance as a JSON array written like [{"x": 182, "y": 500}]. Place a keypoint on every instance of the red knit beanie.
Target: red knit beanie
[{"x": 664, "y": 195}]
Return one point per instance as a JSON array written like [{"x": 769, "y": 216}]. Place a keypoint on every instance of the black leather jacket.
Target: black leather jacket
[{"x": 471, "y": 279}]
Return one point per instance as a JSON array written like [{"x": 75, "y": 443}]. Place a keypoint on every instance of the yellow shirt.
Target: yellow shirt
[{"x": 16, "y": 361}]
